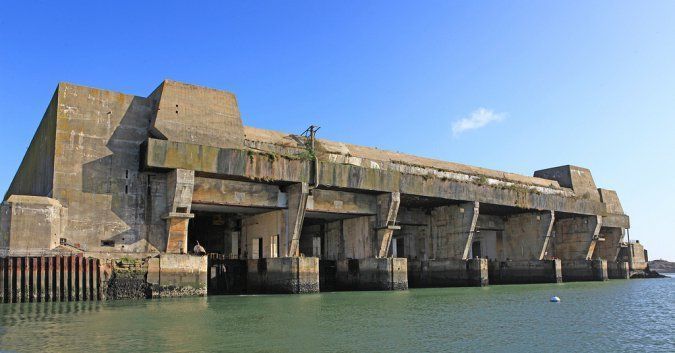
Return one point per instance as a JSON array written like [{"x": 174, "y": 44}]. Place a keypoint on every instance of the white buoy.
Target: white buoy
[{"x": 555, "y": 299}]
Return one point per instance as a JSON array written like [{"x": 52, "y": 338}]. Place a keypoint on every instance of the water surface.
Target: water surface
[{"x": 615, "y": 316}]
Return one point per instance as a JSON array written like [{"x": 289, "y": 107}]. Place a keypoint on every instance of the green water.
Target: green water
[{"x": 615, "y": 316}]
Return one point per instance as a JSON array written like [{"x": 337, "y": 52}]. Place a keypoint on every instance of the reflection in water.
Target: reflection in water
[{"x": 612, "y": 316}]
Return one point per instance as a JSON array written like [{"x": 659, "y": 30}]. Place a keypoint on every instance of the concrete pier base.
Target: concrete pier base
[
  {"x": 291, "y": 275},
  {"x": 618, "y": 270},
  {"x": 584, "y": 270},
  {"x": 525, "y": 271},
  {"x": 177, "y": 275},
  {"x": 448, "y": 273},
  {"x": 372, "y": 274}
]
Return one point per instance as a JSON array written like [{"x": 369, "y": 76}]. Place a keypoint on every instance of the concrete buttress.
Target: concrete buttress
[
  {"x": 297, "y": 204},
  {"x": 387, "y": 210},
  {"x": 180, "y": 186}
]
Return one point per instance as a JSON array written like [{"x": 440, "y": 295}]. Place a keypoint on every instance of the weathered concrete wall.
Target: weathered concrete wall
[
  {"x": 177, "y": 275},
  {"x": 209, "y": 191},
  {"x": 259, "y": 166},
  {"x": 126, "y": 279},
  {"x": 525, "y": 271},
  {"x": 194, "y": 114},
  {"x": 416, "y": 240},
  {"x": 266, "y": 226},
  {"x": 608, "y": 249},
  {"x": 611, "y": 201},
  {"x": 491, "y": 245},
  {"x": 578, "y": 179},
  {"x": 342, "y": 202},
  {"x": 334, "y": 241},
  {"x": 307, "y": 240},
  {"x": 96, "y": 176},
  {"x": 584, "y": 270},
  {"x": 634, "y": 254},
  {"x": 372, "y": 274},
  {"x": 526, "y": 235},
  {"x": 618, "y": 270},
  {"x": 576, "y": 237},
  {"x": 359, "y": 237},
  {"x": 283, "y": 275},
  {"x": 448, "y": 273},
  {"x": 490, "y": 222},
  {"x": 35, "y": 175},
  {"x": 452, "y": 230},
  {"x": 30, "y": 225}
]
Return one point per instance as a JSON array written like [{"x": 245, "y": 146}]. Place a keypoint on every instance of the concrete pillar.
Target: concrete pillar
[
  {"x": 618, "y": 270},
  {"x": 525, "y": 271},
  {"x": 290, "y": 275},
  {"x": 177, "y": 275},
  {"x": 30, "y": 224},
  {"x": 180, "y": 186},
  {"x": 297, "y": 204},
  {"x": 387, "y": 210},
  {"x": 448, "y": 273},
  {"x": 607, "y": 248},
  {"x": 584, "y": 270},
  {"x": 372, "y": 274}
]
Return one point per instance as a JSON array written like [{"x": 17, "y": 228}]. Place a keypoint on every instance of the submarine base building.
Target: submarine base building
[{"x": 115, "y": 190}]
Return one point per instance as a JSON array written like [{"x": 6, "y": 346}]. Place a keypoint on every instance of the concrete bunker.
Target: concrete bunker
[{"x": 291, "y": 213}]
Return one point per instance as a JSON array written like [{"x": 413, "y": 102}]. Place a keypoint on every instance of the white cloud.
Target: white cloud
[{"x": 478, "y": 118}]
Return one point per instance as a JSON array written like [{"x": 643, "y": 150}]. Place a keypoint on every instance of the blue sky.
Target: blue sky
[{"x": 584, "y": 83}]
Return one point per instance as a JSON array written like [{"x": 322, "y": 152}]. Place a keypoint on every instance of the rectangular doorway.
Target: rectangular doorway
[
  {"x": 399, "y": 247},
  {"x": 256, "y": 248},
  {"x": 475, "y": 249}
]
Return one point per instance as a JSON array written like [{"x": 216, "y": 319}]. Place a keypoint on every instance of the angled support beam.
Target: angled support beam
[
  {"x": 527, "y": 235},
  {"x": 297, "y": 205},
  {"x": 387, "y": 210}
]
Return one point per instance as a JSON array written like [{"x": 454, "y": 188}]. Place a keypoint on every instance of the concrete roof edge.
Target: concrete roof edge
[{"x": 267, "y": 136}]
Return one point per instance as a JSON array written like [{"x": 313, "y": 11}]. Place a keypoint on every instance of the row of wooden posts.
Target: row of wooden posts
[{"x": 49, "y": 279}]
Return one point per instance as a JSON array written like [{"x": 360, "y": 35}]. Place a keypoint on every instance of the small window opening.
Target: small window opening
[{"x": 107, "y": 243}]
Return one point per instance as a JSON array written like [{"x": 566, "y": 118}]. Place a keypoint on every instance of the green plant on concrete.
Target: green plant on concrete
[
  {"x": 481, "y": 180},
  {"x": 309, "y": 153}
]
